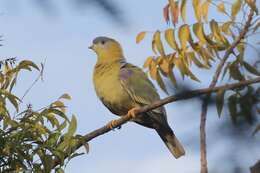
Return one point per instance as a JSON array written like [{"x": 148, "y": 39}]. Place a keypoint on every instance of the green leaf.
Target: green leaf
[
  {"x": 72, "y": 126},
  {"x": 58, "y": 112},
  {"x": 161, "y": 83},
  {"x": 65, "y": 96},
  {"x": 54, "y": 121},
  {"x": 251, "y": 69},
  {"x": 47, "y": 163},
  {"x": 225, "y": 70},
  {"x": 220, "y": 101},
  {"x": 172, "y": 77},
  {"x": 62, "y": 126},
  {"x": 12, "y": 98},
  {"x": 75, "y": 155},
  {"x": 26, "y": 64},
  {"x": 235, "y": 72}
]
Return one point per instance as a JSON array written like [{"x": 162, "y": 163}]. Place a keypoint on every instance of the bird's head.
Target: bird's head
[{"x": 107, "y": 49}]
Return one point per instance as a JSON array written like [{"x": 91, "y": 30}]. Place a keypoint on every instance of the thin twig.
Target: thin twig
[
  {"x": 204, "y": 109},
  {"x": 35, "y": 81},
  {"x": 181, "y": 96}
]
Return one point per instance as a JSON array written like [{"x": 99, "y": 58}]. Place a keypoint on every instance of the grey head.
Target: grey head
[{"x": 102, "y": 40}]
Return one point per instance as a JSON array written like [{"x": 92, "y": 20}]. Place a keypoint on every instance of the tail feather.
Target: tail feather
[{"x": 171, "y": 142}]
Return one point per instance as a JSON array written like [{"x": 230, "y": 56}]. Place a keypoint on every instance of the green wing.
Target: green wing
[
  {"x": 142, "y": 91},
  {"x": 137, "y": 84}
]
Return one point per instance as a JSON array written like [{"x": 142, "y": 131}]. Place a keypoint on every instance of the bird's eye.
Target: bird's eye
[{"x": 103, "y": 42}]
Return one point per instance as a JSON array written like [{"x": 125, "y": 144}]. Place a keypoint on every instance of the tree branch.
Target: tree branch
[
  {"x": 203, "y": 146},
  {"x": 181, "y": 96}
]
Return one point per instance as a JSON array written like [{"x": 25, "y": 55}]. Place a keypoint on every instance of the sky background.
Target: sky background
[{"x": 62, "y": 37}]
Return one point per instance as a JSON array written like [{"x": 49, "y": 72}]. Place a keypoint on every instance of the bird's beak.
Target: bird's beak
[{"x": 91, "y": 47}]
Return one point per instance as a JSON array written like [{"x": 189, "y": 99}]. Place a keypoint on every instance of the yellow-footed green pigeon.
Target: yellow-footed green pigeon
[{"x": 123, "y": 87}]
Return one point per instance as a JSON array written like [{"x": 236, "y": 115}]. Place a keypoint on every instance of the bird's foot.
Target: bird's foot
[
  {"x": 132, "y": 112},
  {"x": 112, "y": 125}
]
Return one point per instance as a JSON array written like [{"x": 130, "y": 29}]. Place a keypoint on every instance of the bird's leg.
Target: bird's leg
[{"x": 132, "y": 112}]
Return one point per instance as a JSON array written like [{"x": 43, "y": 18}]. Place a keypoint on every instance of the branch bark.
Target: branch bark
[
  {"x": 204, "y": 109},
  {"x": 181, "y": 96}
]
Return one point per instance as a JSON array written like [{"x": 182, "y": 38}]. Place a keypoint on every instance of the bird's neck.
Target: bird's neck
[
  {"x": 102, "y": 66},
  {"x": 111, "y": 60}
]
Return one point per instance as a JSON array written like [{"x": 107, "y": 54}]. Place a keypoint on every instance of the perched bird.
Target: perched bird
[{"x": 123, "y": 88}]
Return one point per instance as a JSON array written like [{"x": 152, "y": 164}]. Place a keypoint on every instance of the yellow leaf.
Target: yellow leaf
[
  {"x": 140, "y": 37},
  {"x": 154, "y": 46},
  {"x": 199, "y": 32},
  {"x": 183, "y": 10},
  {"x": 153, "y": 70},
  {"x": 159, "y": 60},
  {"x": 158, "y": 43},
  {"x": 235, "y": 9},
  {"x": 197, "y": 9},
  {"x": 205, "y": 56},
  {"x": 148, "y": 62},
  {"x": 205, "y": 9},
  {"x": 221, "y": 7},
  {"x": 170, "y": 38},
  {"x": 195, "y": 45},
  {"x": 184, "y": 35},
  {"x": 193, "y": 58},
  {"x": 241, "y": 48},
  {"x": 225, "y": 28},
  {"x": 164, "y": 65},
  {"x": 180, "y": 66},
  {"x": 216, "y": 33},
  {"x": 252, "y": 4}
]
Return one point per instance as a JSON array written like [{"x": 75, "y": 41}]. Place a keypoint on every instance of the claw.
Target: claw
[
  {"x": 132, "y": 112},
  {"x": 112, "y": 124}
]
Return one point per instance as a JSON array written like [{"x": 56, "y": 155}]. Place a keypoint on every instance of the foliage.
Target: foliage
[
  {"x": 39, "y": 140},
  {"x": 31, "y": 140},
  {"x": 203, "y": 42}
]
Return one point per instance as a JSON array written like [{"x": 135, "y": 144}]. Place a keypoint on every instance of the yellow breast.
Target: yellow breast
[{"x": 109, "y": 89}]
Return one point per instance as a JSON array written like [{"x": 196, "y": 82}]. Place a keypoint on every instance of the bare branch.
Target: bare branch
[
  {"x": 203, "y": 117},
  {"x": 181, "y": 96}
]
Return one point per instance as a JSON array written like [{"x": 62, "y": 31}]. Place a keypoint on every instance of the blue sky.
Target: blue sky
[{"x": 63, "y": 41}]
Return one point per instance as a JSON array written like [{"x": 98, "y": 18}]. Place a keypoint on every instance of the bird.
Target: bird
[{"x": 123, "y": 88}]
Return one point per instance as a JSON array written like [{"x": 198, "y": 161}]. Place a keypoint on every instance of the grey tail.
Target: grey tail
[{"x": 171, "y": 141}]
